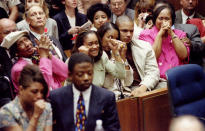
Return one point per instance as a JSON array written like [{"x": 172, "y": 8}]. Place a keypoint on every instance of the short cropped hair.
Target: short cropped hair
[
  {"x": 78, "y": 58},
  {"x": 30, "y": 74},
  {"x": 98, "y": 7}
]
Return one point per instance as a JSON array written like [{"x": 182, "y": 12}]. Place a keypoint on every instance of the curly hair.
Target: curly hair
[{"x": 98, "y": 7}]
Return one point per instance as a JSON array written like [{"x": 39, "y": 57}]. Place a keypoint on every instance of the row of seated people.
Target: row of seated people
[
  {"x": 121, "y": 63},
  {"x": 144, "y": 76},
  {"x": 36, "y": 20}
]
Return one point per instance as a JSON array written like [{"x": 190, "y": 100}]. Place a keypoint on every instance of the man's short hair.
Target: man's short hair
[
  {"x": 78, "y": 58},
  {"x": 123, "y": 18}
]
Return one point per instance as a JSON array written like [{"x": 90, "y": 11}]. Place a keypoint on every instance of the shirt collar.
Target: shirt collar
[
  {"x": 184, "y": 16},
  {"x": 85, "y": 92}
]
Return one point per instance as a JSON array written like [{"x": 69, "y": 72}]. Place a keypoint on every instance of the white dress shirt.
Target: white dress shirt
[
  {"x": 184, "y": 17},
  {"x": 86, "y": 98}
]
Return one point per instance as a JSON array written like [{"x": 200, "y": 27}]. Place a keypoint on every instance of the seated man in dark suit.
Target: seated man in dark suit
[
  {"x": 188, "y": 11},
  {"x": 97, "y": 103},
  {"x": 6, "y": 90}
]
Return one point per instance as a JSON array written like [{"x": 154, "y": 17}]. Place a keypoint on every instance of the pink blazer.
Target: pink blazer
[
  {"x": 168, "y": 57},
  {"x": 54, "y": 71}
]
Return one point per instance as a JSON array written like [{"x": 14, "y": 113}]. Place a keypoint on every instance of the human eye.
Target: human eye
[
  {"x": 89, "y": 44},
  {"x": 167, "y": 18},
  {"x": 80, "y": 74},
  {"x": 34, "y": 91},
  {"x": 104, "y": 16},
  {"x": 96, "y": 18},
  {"x": 40, "y": 13},
  {"x": 160, "y": 18},
  {"x": 96, "y": 43},
  {"x": 90, "y": 73}
]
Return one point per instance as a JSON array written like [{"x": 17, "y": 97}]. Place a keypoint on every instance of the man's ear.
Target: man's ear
[
  {"x": 28, "y": 21},
  {"x": 21, "y": 89},
  {"x": 63, "y": 2},
  {"x": 70, "y": 76},
  {"x": 181, "y": 3}
]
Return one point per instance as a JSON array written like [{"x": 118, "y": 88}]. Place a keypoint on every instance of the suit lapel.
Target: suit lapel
[
  {"x": 178, "y": 17},
  {"x": 68, "y": 107},
  {"x": 93, "y": 107},
  {"x": 139, "y": 58},
  {"x": 65, "y": 21}
]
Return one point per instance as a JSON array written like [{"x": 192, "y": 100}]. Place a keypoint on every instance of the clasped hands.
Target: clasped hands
[
  {"x": 44, "y": 45},
  {"x": 165, "y": 28},
  {"x": 39, "y": 107}
]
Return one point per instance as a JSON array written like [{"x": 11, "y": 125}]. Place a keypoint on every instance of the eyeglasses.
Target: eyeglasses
[{"x": 117, "y": 4}]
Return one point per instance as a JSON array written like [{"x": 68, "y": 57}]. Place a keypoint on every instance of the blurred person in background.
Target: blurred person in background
[
  {"x": 98, "y": 14},
  {"x": 119, "y": 8},
  {"x": 10, "y": 6},
  {"x": 186, "y": 123},
  {"x": 69, "y": 22},
  {"x": 50, "y": 25}
]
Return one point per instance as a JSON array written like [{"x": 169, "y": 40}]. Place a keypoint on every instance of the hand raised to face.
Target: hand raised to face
[
  {"x": 83, "y": 49},
  {"x": 39, "y": 107}
]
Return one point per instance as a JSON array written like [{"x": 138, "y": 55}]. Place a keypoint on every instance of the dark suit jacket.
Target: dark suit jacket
[
  {"x": 55, "y": 42},
  {"x": 3, "y": 13},
  {"x": 102, "y": 106},
  {"x": 6, "y": 87},
  {"x": 197, "y": 49},
  {"x": 178, "y": 19},
  {"x": 64, "y": 26}
]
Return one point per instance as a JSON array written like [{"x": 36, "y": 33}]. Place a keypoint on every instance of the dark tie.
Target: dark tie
[
  {"x": 187, "y": 19},
  {"x": 80, "y": 114}
]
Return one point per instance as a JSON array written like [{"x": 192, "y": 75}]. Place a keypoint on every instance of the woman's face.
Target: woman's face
[
  {"x": 100, "y": 18},
  {"x": 25, "y": 47},
  {"x": 92, "y": 43},
  {"x": 30, "y": 3},
  {"x": 163, "y": 17},
  {"x": 71, "y": 3},
  {"x": 110, "y": 34},
  {"x": 32, "y": 93}
]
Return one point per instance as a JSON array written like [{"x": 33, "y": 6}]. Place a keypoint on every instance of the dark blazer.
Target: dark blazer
[
  {"x": 3, "y": 13},
  {"x": 55, "y": 42},
  {"x": 102, "y": 106},
  {"x": 178, "y": 19},
  {"x": 64, "y": 26},
  {"x": 6, "y": 90},
  {"x": 197, "y": 48}
]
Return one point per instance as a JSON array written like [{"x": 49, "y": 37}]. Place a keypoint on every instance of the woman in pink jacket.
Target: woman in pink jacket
[
  {"x": 169, "y": 47},
  {"x": 54, "y": 70}
]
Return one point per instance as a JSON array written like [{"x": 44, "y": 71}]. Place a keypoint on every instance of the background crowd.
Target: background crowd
[{"x": 64, "y": 63}]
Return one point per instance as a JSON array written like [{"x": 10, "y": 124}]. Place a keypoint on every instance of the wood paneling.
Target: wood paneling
[{"x": 149, "y": 112}]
